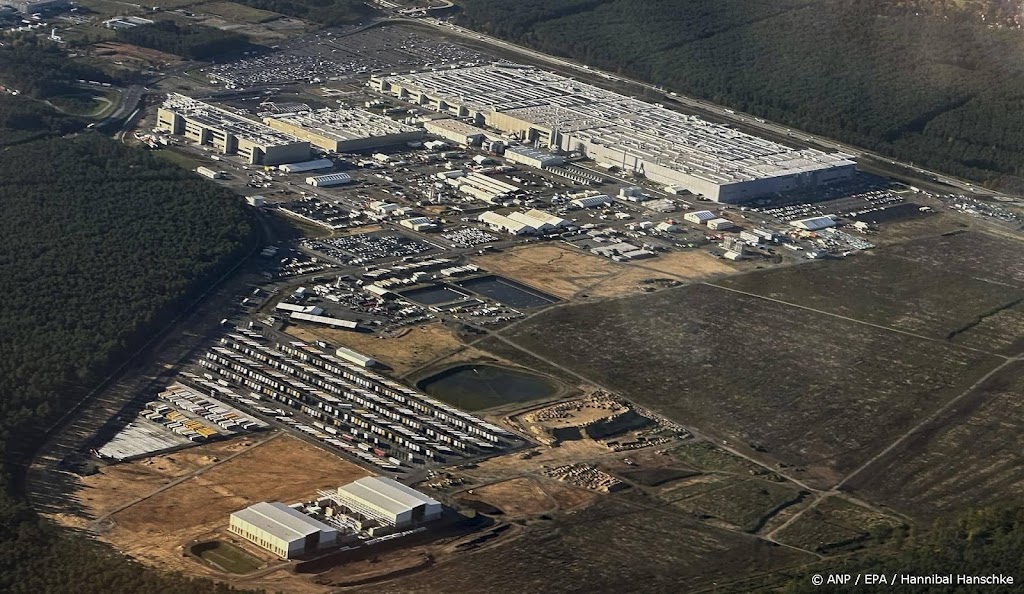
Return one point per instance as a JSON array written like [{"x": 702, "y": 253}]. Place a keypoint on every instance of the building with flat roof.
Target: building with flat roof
[
  {"x": 33, "y": 6},
  {"x": 509, "y": 225},
  {"x": 228, "y": 132},
  {"x": 344, "y": 129},
  {"x": 665, "y": 146},
  {"x": 286, "y": 532},
  {"x": 456, "y": 131},
  {"x": 388, "y": 502},
  {"x": 525, "y": 155}
]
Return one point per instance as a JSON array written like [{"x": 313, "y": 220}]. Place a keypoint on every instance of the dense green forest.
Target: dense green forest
[
  {"x": 102, "y": 246},
  {"x": 41, "y": 69},
  {"x": 24, "y": 119},
  {"x": 196, "y": 42},
  {"x": 941, "y": 92},
  {"x": 980, "y": 543},
  {"x": 329, "y": 13}
]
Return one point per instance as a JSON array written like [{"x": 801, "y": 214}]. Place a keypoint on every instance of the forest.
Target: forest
[
  {"x": 42, "y": 70},
  {"x": 103, "y": 245},
  {"x": 23, "y": 119},
  {"x": 195, "y": 42},
  {"x": 980, "y": 543},
  {"x": 936, "y": 91},
  {"x": 327, "y": 13}
]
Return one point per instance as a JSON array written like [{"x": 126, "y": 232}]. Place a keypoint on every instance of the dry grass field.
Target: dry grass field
[{"x": 411, "y": 349}]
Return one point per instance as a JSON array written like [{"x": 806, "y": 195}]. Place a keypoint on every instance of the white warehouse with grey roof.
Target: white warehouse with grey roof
[
  {"x": 282, "y": 530},
  {"x": 388, "y": 502},
  {"x": 665, "y": 146}
]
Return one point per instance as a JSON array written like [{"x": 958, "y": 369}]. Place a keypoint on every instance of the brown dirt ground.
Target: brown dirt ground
[
  {"x": 516, "y": 497},
  {"x": 566, "y": 496},
  {"x": 118, "y": 484},
  {"x": 403, "y": 353},
  {"x": 696, "y": 265},
  {"x": 555, "y": 269},
  {"x": 284, "y": 469}
]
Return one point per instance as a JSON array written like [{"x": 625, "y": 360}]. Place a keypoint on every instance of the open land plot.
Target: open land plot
[
  {"x": 816, "y": 391},
  {"x": 836, "y": 525},
  {"x": 555, "y": 269},
  {"x": 233, "y": 11},
  {"x": 615, "y": 545},
  {"x": 969, "y": 456},
  {"x": 689, "y": 265},
  {"x": 978, "y": 255},
  {"x": 283, "y": 469},
  {"x": 886, "y": 289},
  {"x": 408, "y": 350},
  {"x": 1000, "y": 332},
  {"x": 515, "y": 497},
  {"x": 745, "y": 503}
]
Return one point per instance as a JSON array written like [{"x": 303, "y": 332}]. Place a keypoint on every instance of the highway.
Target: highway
[{"x": 720, "y": 112}]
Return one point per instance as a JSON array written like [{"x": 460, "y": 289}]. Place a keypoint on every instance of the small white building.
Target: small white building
[
  {"x": 354, "y": 357},
  {"x": 421, "y": 224},
  {"x": 814, "y": 223},
  {"x": 328, "y": 180},
  {"x": 505, "y": 224},
  {"x": 699, "y": 216},
  {"x": 666, "y": 227},
  {"x": 305, "y": 166},
  {"x": 210, "y": 173},
  {"x": 720, "y": 224},
  {"x": 592, "y": 201}
]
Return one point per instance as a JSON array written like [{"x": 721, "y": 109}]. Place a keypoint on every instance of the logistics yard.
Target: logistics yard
[{"x": 509, "y": 330}]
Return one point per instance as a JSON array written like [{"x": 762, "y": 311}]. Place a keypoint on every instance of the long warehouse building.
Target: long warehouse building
[
  {"x": 667, "y": 147},
  {"x": 282, "y": 530},
  {"x": 228, "y": 132},
  {"x": 345, "y": 129}
]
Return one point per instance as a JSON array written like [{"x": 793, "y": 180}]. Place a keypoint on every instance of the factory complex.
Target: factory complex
[
  {"x": 667, "y": 147},
  {"x": 344, "y": 129},
  {"x": 228, "y": 132}
]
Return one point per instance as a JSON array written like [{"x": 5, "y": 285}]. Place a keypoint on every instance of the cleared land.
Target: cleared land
[
  {"x": 908, "y": 290},
  {"x": 817, "y": 391},
  {"x": 515, "y": 497},
  {"x": 554, "y": 269},
  {"x": 237, "y": 12},
  {"x": 611, "y": 546},
  {"x": 564, "y": 272},
  {"x": 745, "y": 503},
  {"x": 403, "y": 353},
  {"x": 968, "y": 457},
  {"x": 283, "y": 469},
  {"x": 837, "y": 525}
]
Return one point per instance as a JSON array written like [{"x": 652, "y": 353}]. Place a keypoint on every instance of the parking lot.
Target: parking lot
[{"x": 337, "y": 54}]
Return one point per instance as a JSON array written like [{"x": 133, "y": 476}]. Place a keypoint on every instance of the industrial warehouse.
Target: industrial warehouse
[
  {"x": 282, "y": 530},
  {"x": 344, "y": 129},
  {"x": 230, "y": 133},
  {"x": 665, "y": 146}
]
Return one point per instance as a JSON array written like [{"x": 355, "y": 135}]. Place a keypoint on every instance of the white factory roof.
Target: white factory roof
[
  {"x": 548, "y": 218},
  {"x": 281, "y": 521},
  {"x": 306, "y": 166},
  {"x": 702, "y": 149},
  {"x": 222, "y": 119},
  {"x": 454, "y": 126},
  {"x": 511, "y": 225},
  {"x": 533, "y": 153},
  {"x": 386, "y": 494},
  {"x": 329, "y": 178},
  {"x": 699, "y": 216},
  {"x": 814, "y": 223},
  {"x": 345, "y": 123}
]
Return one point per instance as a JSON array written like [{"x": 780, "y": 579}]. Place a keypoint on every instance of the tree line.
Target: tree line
[
  {"x": 42, "y": 70},
  {"x": 922, "y": 87},
  {"x": 102, "y": 245},
  {"x": 195, "y": 42},
  {"x": 328, "y": 13}
]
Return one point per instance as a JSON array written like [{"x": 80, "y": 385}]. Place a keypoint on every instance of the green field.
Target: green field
[
  {"x": 237, "y": 12},
  {"x": 227, "y": 557}
]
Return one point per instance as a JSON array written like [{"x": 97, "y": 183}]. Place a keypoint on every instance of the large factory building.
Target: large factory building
[
  {"x": 665, "y": 146},
  {"x": 228, "y": 132},
  {"x": 345, "y": 129},
  {"x": 388, "y": 502},
  {"x": 286, "y": 532}
]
